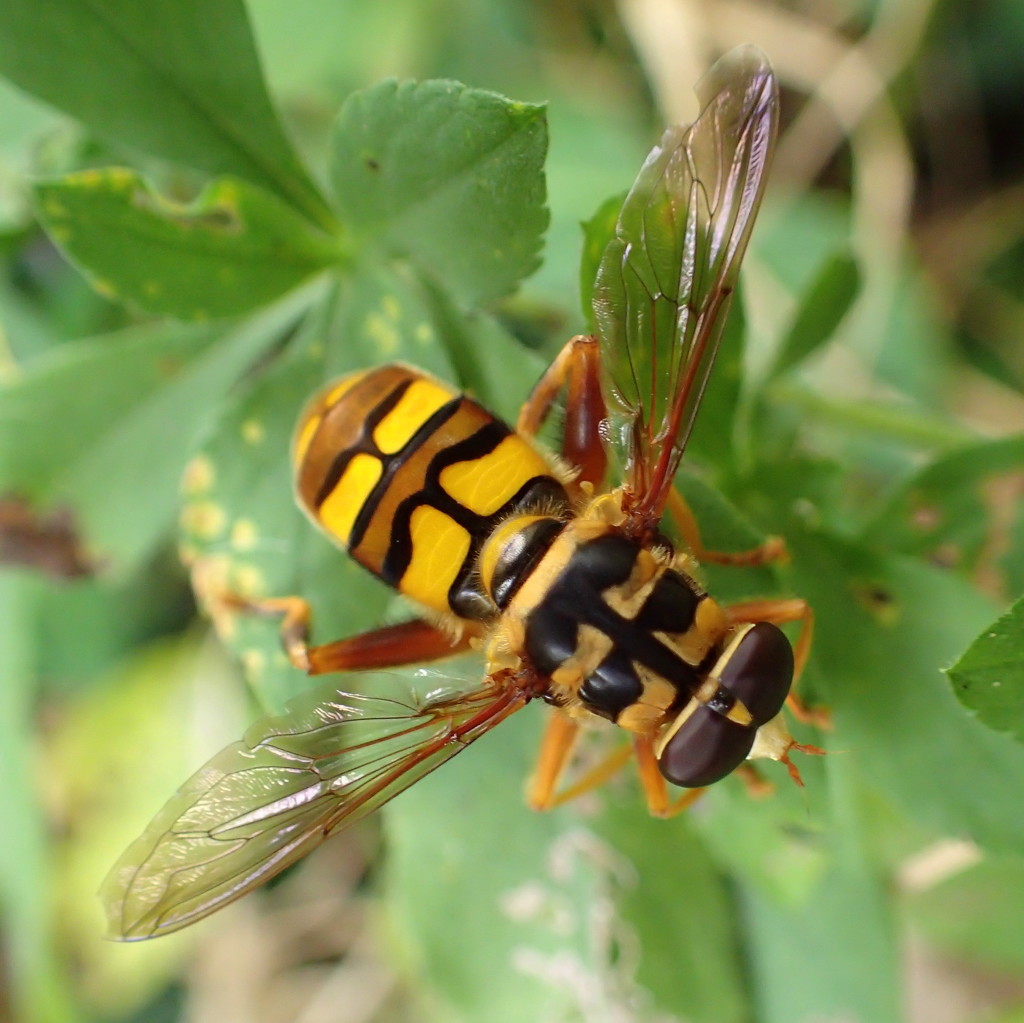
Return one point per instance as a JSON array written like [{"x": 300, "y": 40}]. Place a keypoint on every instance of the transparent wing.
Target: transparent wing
[
  {"x": 260, "y": 804},
  {"x": 666, "y": 279}
]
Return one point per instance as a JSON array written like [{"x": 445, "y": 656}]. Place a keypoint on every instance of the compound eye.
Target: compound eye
[
  {"x": 704, "y": 745},
  {"x": 705, "y": 748},
  {"x": 757, "y": 668}
]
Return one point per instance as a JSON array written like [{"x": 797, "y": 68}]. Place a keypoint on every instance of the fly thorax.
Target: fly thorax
[{"x": 597, "y": 615}]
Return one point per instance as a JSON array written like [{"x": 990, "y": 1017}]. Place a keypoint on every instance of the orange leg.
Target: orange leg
[
  {"x": 779, "y": 612},
  {"x": 577, "y": 368},
  {"x": 388, "y": 647},
  {"x": 556, "y": 753},
  {"x": 411, "y": 642},
  {"x": 773, "y": 549},
  {"x": 654, "y": 785}
]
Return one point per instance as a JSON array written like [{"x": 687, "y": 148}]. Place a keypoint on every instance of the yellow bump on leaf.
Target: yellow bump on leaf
[
  {"x": 390, "y": 307},
  {"x": 244, "y": 535},
  {"x": 226, "y": 194},
  {"x": 247, "y": 580},
  {"x": 199, "y": 476},
  {"x": 253, "y": 431},
  {"x": 105, "y": 288},
  {"x": 120, "y": 176},
  {"x": 92, "y": 177},
  {"x": 152, "y": 288},
  {"x": 423, "y": 334},
  {"x": 54, "y": 208},
  {"x": 382, "y": 333},
  {"x": 210, "y": 582},
  {"x": 205, "y": 520},
  {"x": 210, "y": 577}
]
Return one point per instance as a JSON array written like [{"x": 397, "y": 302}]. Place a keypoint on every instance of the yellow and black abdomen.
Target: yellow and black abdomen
[{"x": 411, "y": 477}]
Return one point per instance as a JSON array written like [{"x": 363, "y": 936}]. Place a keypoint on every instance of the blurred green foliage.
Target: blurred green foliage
[{"x": 214, "y": 171}]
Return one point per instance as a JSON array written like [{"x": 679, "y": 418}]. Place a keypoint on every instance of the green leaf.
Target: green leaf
[
  {"x": 835, "y": 956},
  {"x": 121, "y": 369},
  {"x": 825, "y": 302},
  {"x": 907, "y": 344},
  {"x": 485, "y": 893},
  {"x": 234, "y": 249},
  {"x": 886, "y": 423},
  {"x": 177, "y": 78},
  {"x": 777, "y": 846},
  {"x": 943, "y": 511},
  {"x": 977, "y": 914},
  {"x": 660, "y": 933},
  {"x": 799, "y": 236},
  {"x": 449, "y": 177},
  {"x": 483, "y": 358},
  {"x": 913, "y": 352},
  {"x": 989, "y": 676},
  {"x": 123, "y": 519},
  {"x": 95, "y": 622},
  {"x": 809, "y": 893},
  {"x": 28, "y": 333},
  {"x": 885, "y": 629},
  {"x": 25, "y": 864},
  {"x": 106, "y": 426},
  {"x": 118, "y": 751},
  {"x": 1014, "y": 1014},
  {"x": 684, "y": 935}
]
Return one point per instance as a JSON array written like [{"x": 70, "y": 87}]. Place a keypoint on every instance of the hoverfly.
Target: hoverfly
[{"x": 568, "y": 587}]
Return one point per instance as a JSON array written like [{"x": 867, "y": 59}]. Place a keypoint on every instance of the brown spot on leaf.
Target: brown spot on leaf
[
  {"x": 47, "y": 542},
  {"x": 926, "y": 517},
  {"x": 878, "y": 600}
]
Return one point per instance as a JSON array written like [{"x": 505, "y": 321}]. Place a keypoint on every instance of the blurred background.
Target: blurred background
[{"x": 901, "y": 145}]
